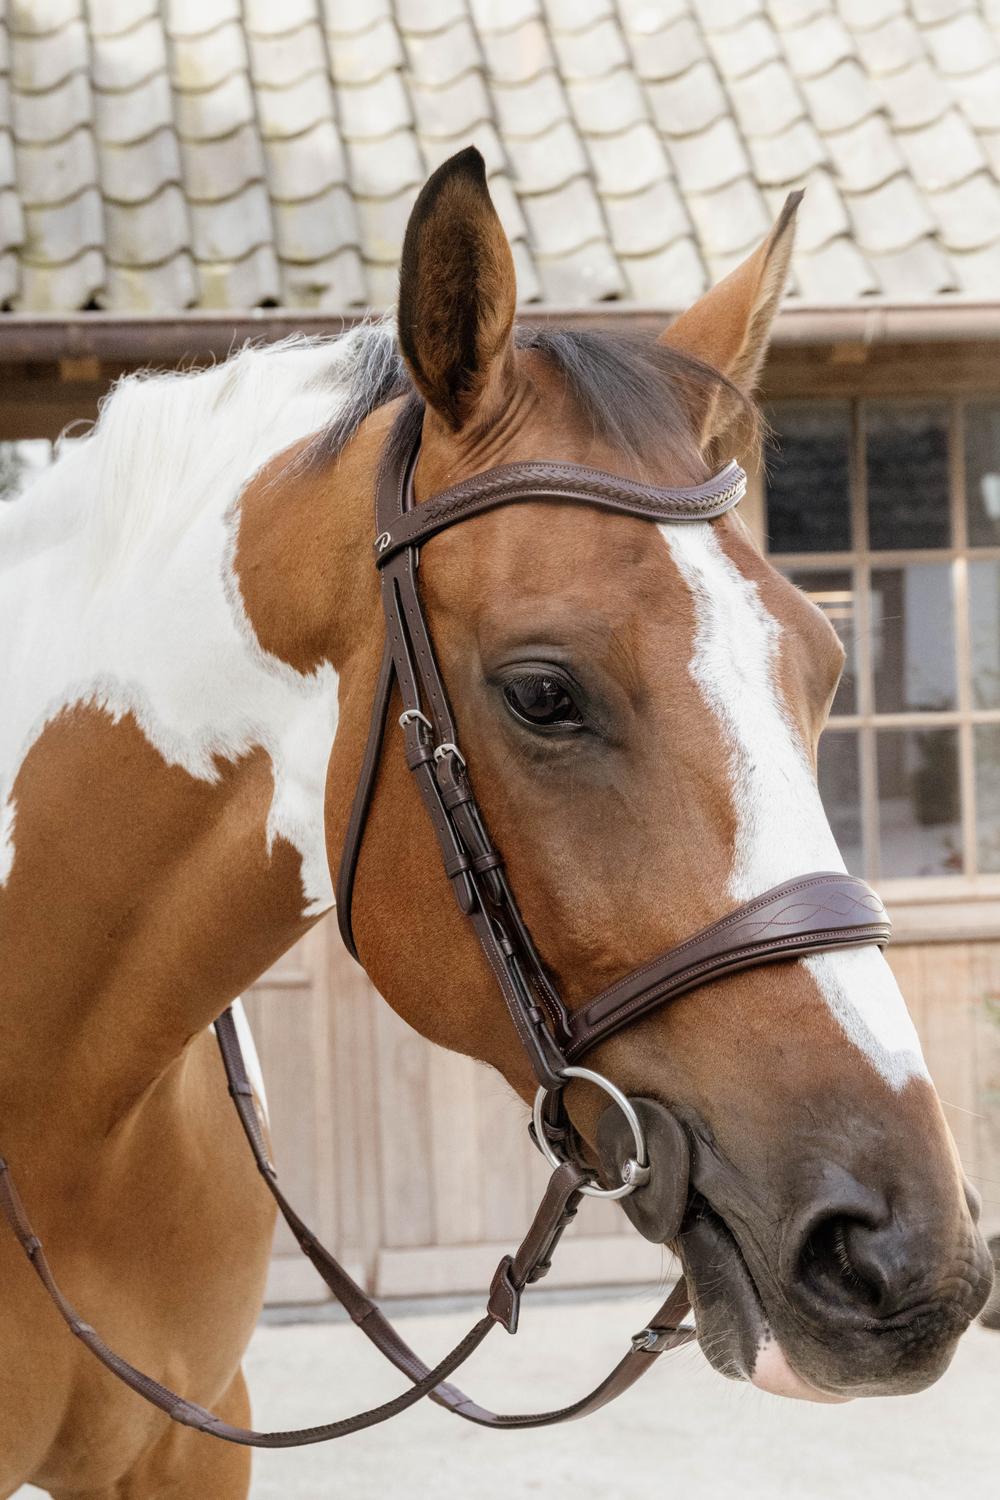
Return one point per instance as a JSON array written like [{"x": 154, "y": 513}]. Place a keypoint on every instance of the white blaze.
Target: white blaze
[{"x": 782, "y": 830}]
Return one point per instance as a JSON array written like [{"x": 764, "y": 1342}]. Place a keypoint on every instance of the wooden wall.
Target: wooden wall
[{"x": 416, "y": 1165}]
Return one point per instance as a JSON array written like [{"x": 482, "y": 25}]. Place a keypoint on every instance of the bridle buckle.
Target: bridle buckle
[
  {"x": 414, "y": 715},
  {"x": 449, "y": 748},
  {"x": 652, "y": 1340}
]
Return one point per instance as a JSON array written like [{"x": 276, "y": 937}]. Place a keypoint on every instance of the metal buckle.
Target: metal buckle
[
  {"x": 651, "y": 1340},
  {"x": 414, "y": 713},
  {"x": 635, "y": 1171},
  {"x": 447, "y": 748}
]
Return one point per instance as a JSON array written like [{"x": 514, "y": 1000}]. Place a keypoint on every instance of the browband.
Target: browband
[{"x": 537, "y": 480}]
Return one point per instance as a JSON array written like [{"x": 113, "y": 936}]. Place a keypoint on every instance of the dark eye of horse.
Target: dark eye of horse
[{"x": 543, "y": 702}]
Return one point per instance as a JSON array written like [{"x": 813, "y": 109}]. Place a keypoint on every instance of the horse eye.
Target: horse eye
[{"x": 543, "y": 702}]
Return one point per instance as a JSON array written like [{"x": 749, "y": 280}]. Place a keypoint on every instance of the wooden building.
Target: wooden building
[{"x": 176, "y": 178}]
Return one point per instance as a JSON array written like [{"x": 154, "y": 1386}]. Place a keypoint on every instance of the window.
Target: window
[{"x": 887, "y": 514}]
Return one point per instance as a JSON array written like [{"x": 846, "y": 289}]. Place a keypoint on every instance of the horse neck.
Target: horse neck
[{"x": 168, "y": 831}]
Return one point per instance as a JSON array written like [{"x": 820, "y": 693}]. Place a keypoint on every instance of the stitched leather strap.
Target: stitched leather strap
[
  {"x": 557, "y": 481},
  {"x": 469, "y": 859},
  {"x": 812, "y": 914},
  {"x": 365, "y": 787}
]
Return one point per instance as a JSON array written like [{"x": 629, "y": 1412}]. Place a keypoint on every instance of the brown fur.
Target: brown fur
[{"x": 115, "y": 1117}]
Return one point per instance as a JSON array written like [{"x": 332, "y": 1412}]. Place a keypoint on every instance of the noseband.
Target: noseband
[{"x": 810, "y": 914}]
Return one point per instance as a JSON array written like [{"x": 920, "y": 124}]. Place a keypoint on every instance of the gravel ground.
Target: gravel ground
[{"x": 683, "y": 1431}]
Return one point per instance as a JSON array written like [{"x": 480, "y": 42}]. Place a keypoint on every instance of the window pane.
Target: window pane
[
  {"x": 913, "y": 638},
  {"x": 987, "y": 748},
  {"x": 918, "y": 802},
  {"x": 833, "y": 592},
  {"x": 907, "y": 460},
  {"x": 19, "y": 463},
  {"x": 808, "y": 478},
  {"x": 982, "y": 474},
  {"x": 840, "y": 788},
  {"x": 984, "y": 633}
]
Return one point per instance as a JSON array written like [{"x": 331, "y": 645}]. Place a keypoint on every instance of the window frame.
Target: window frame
[{"x": 921, "y": 896}]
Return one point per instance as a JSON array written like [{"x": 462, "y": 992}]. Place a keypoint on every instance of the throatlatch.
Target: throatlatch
[{"x": 811, "y": 914}]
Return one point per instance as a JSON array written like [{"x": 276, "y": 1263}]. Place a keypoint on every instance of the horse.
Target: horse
[{"x": 191, "y": 629}]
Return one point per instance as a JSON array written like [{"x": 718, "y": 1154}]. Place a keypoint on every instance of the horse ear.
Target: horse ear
[
  {"x": 457, "y": 291},
  {"x": 730, "y": 326}
]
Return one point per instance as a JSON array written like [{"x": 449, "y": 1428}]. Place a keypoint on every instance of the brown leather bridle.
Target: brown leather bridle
[{"x": 810, "y": 914}]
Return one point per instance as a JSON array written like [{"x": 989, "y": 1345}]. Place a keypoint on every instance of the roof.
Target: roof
[{"x": 157, "y": 155}]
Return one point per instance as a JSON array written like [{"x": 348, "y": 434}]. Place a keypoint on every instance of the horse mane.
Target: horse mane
[
  {"x": 169, "y": 444},
  {"x": 637, "y": 394}
]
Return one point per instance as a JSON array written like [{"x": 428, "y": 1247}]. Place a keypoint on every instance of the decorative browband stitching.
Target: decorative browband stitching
[
  {"x": 781, "y": 908},
  {"x": 561, "y": 481}
]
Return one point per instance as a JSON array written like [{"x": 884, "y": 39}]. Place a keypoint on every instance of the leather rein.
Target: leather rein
[{"x": 811, "y": 914}]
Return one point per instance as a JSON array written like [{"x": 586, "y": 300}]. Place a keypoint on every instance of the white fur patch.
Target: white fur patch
[
  {"x": 782, "y": 830},
  {"x": 8, "y": 816},
  {"x": 117, "y": 588}
]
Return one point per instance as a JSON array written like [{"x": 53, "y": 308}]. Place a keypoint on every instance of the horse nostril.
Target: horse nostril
[
  {"x": 865, "y": 1258},
  {"x": 848, "y": 1260}
]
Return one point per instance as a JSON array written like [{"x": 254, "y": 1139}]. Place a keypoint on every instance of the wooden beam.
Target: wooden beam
[
  {"x": 928, "y": 369},
  {"x": 172, "y": 337},
  {"x": 42, "y": 408}
]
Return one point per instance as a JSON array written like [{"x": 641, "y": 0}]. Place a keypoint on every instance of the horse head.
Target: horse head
[{"x": 640, "y": 707}]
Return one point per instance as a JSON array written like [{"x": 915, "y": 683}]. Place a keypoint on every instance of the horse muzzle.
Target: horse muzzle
[{"x": 846, "y": 1293}]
